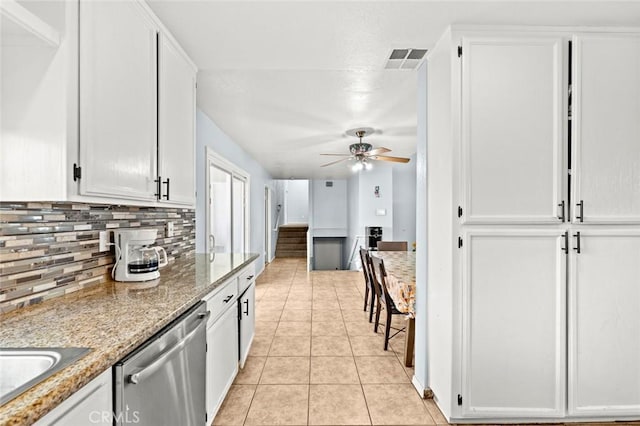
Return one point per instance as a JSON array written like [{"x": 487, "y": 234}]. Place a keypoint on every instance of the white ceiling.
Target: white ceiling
[{"x": 285, "y": 79}]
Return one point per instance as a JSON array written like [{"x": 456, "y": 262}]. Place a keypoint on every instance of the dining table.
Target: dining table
[{"x": 401, "y": 285}]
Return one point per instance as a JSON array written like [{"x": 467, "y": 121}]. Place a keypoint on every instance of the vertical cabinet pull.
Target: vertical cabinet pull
[
  {"x": 577, "y": 247},
  {"x": 566, "y": 243},
  {"x": 561, "y": 216},
  {"x": 158, "y": 193},
  {"x": 166, "y": 182},
  {"x": 246, "y": 302},
  {"x": 580, "y": 206}
]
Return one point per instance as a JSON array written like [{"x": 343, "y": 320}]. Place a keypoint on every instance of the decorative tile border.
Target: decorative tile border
[{"x": 51, "y": 249}]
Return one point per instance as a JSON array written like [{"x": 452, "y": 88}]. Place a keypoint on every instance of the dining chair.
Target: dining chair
[
  {"x": 379, "y": 276},
  {"x": 392, "y": 246},
  {"x": 369, "y": 292}
]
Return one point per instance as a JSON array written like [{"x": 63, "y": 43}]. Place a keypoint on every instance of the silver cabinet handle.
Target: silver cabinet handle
[
  {"x": 212, "y": 248},
  {"x": 150, "y": 369}
]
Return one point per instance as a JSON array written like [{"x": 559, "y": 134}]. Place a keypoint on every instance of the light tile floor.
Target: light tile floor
[{"x": 315, "y": 359}]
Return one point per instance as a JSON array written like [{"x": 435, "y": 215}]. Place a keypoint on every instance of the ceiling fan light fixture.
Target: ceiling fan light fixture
[{"x": 357, "y": 167}]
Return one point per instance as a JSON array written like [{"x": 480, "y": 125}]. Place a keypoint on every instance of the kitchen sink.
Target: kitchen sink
[{"x": 22, "y": 368}]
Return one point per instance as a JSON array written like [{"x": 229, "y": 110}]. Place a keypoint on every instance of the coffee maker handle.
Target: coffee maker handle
[{"x": 162, "y": 259}]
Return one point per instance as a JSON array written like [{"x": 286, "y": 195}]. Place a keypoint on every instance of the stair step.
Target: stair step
[
  {"x": 291, "y": 253},
  {"x": 292, "y": 240},
  {"x": 284, "y": 246},
  {"x": 293, "y": 234},
  {"x": 293, "y": 228}
]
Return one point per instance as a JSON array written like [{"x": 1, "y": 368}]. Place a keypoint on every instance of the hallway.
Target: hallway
[{"x": 316, "y": 360}]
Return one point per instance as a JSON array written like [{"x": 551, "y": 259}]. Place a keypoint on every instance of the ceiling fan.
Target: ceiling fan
[{"x": 363, "y": 152}]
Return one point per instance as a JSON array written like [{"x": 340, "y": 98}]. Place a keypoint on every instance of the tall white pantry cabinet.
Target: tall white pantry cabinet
[{"x": 533, "y": 177}]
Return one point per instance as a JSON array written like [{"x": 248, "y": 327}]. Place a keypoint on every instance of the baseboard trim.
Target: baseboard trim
[{"x": 424, "y": 392}]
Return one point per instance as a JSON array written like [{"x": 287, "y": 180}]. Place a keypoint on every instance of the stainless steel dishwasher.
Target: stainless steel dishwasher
[{"x": 163, "y": 381}]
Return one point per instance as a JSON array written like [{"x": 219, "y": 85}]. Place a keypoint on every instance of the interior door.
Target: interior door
[
  {"x": 512, "y": 130},
  {"x": 606, "y": 128},
  {"x": 604, "y": 323},
  {"x": 513, "y": 324},
  {"x": 176, "y": 144},
  {"x": 239, "y": 219},
  {"x": 117, "y": 100},
  {"x": 220, "y": 229}
]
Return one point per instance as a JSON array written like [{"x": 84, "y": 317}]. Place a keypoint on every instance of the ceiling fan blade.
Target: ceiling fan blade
[
  {"x": 338, "y": 155},
  {"x": 377, "y": 151},
  {"x": 334, "y": 162},
  {"x": 393, "y": 159}
]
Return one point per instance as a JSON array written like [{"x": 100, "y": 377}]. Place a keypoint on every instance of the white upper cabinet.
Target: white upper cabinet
[
  {"x": 606, "y": 128},
  {"x": 604, "y": 323},
  {"x": 176, "y": 145},
  {"x": 513, "y": 348},
  {"x": 118, "y": 116},
  {"x": 512, "y": 129}
]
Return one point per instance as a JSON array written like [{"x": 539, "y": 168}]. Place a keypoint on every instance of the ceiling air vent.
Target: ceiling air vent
[{"x": 405, "y": 59}]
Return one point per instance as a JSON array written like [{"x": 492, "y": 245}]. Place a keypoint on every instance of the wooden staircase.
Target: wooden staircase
[{"x": 292, "y": 241}]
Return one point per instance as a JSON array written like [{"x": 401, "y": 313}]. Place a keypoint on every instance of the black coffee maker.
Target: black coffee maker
[{"x": 373, "y": 234}]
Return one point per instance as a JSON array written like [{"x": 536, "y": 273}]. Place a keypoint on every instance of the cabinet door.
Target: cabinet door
[
  {"x": 117, "y": 100},
  {"x": 222, "y": 359},
  {"x": 176, "y": 146},
  {"x": 91, "y": 405},
  {"x": 512, "y": 130},
  {"x": 604, "y": 324},
  {"x": 247, "y": 322},
  {"x": 606, "y": 129},
  {"x": 513, "y": 324}
]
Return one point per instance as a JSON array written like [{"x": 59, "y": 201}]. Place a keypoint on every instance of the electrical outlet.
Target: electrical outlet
[
  {"x": 170, "y": 229},
  {"x": 104, "y": 241}
]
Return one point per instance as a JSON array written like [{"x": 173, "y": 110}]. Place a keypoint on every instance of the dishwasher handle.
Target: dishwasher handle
[{"x": 158, "y": 362}]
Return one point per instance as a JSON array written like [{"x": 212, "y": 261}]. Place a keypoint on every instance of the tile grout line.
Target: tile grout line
[{"x": 357, "y": 370}]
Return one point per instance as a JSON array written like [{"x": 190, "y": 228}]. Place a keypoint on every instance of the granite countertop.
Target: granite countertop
[{"x": 112, "y": 319}]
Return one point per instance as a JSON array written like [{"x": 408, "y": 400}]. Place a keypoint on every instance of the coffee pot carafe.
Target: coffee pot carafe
[{"x": 135, "y": 260}]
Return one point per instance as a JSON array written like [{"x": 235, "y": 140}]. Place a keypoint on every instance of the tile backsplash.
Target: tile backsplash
[{"x": 51, "y": 249}]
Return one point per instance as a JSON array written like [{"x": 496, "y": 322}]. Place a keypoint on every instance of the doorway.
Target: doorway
[
  {"x": 227, "y": 206},
  {"x": 267, "y": 225}
]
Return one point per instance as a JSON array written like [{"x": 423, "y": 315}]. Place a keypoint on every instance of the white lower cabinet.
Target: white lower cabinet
[
  {"x": 247, "y": 317},
  {"x": 222, "y": 346},
  {"x": 513, "y": 324},
  {"x": 604, "y": 323},
  {"x": 91, "y": 405}
]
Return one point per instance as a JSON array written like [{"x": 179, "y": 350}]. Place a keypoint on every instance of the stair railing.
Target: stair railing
[{"x": 276, "y": 227}]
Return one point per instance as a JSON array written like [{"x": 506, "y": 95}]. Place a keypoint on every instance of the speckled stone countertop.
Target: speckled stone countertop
[{"x": 112, "y": 319}]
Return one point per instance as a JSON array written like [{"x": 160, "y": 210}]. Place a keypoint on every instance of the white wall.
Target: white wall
[
  {"x": 381, "y": 175},
  {"x": 296, "y": 201},
  {"x": 353, "y": 223},
  {"x": 209, "y": 134},
  {"x": 397, "y": 184},
  {"x": 404, "y": 201},
  {"x": 438, "y": 239},
  {"x": 421, "y": 379},
  {"x": 329, "y": 208}
]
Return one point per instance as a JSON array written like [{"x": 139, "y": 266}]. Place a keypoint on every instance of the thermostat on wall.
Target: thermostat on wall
[{"x": 381, "y": 212}]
